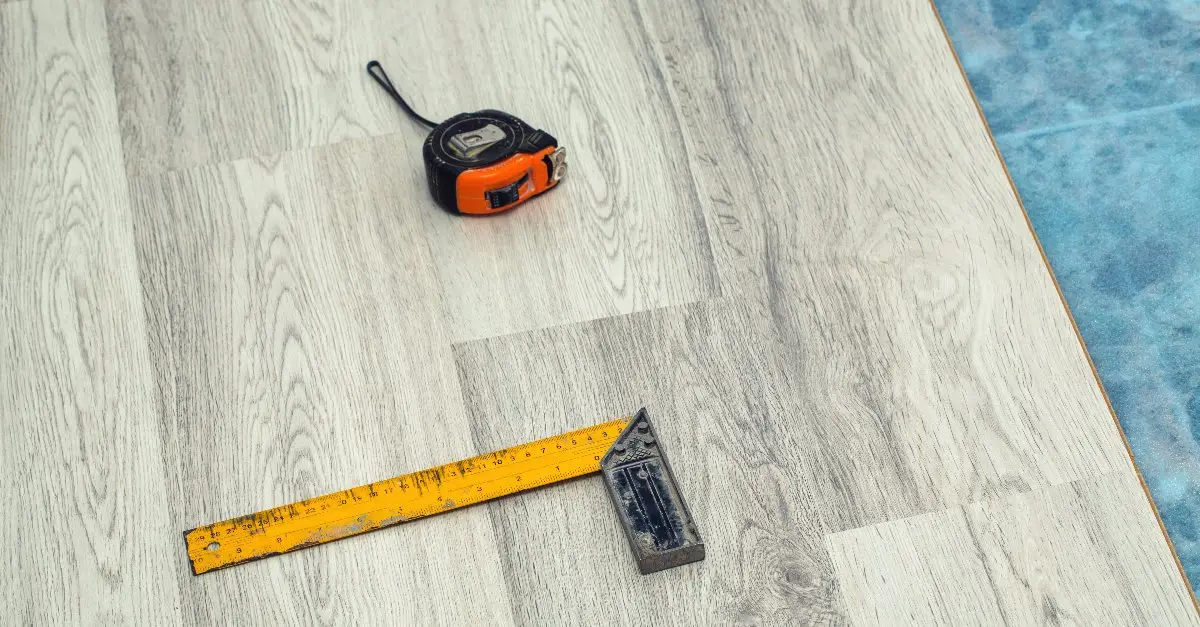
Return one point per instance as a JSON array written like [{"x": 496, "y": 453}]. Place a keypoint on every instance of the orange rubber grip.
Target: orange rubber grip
[{"x": 473, "y": 185}]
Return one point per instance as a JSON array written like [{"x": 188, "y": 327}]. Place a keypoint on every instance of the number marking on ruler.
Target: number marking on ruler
[{"x": 401, "y": 499}]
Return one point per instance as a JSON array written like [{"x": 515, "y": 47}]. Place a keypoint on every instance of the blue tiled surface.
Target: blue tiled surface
[
  {"x": 1096, "y": 107},
  {"x": 1036, "y": 63}
]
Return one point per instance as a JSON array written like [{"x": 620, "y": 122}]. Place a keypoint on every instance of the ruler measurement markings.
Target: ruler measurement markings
[
  {"x": 284, "y": 514},
  {"x": 407, "y": 497},
  {"x": 404, "y": 482}
]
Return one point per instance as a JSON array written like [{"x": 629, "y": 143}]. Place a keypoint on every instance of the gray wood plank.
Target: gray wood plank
[
  {"x": 1085, "y": 553},
  {"x": 205, "y": 82},
  {"x": 624, "y": 233},
  {"x": 864, "y": 209},
  {"x": 744, "y": 460},
  {"x": 84, "y": 526},
  {"x": 300, "y": 349}
]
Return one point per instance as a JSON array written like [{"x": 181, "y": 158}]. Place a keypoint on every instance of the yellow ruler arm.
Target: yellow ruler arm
[{"x": 401, "y": 499}]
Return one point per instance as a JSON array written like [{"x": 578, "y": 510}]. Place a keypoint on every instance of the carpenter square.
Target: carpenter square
[{"x": 657, "y": 523}]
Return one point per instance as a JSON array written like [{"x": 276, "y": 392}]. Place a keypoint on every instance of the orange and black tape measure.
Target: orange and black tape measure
[{"x": 483, "y": 162}]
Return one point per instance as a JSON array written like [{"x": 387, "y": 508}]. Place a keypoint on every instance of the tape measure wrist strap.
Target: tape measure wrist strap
[{"x": 376, "y": 71}]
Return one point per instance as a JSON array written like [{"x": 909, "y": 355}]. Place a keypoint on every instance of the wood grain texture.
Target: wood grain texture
[
  {"x": 1084, "y": 553},
  {"x": 625, "y": 234},
  {"x": 205, "y": 82},
  {"x": 300, "y": 349},
  {"x": 83, "y": 524},
  {"x": 881, "y": 235},
  {"x": 744, "y": 461},
  {"x": 625, "y": 231},
  {"x": 890, "y": 336},
  {"x": 769, "y": 462},
  {"x": 785, "y": 232}
]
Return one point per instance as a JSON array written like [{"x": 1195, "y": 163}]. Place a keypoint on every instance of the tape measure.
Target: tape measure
[
  {"x": 408, "y": 497},
  {"x": 483, "y": 162}
]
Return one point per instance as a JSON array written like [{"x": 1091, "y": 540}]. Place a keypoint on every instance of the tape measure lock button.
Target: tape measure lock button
[{"x": 509, "y": 194}]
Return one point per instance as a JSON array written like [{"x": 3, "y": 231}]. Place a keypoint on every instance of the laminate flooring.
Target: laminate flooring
[{"x": 785, "y": 231}]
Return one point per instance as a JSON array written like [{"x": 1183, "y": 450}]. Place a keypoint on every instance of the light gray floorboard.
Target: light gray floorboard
[
  {"x": 84, "y": 528},
  {"x": 210, "y": 82},
  {"x": 300, "y": 349},
  {"x": 1083, "y": 553}
]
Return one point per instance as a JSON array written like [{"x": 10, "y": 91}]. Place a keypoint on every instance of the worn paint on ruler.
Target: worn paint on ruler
[{"x": 401, "y": 499}]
